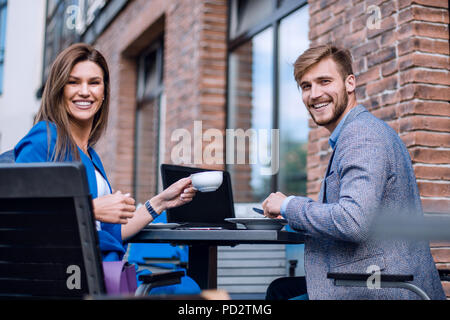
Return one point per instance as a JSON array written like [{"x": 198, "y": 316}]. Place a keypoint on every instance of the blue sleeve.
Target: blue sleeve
[
  {"x": 284, "y": 206},
  {"x": 34, "y": 146}
]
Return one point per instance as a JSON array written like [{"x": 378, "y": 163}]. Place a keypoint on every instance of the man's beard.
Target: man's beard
[{"x": 339, "y": 109}]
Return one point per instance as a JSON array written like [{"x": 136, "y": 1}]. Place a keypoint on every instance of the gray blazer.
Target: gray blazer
[{"x": 370, "y": 172}]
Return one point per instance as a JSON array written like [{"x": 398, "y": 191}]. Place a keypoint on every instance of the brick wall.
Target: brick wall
[
  {"x": 402, "y": 72},
  {"x": 194, "y": 74},
  {"x": 195, "y": 68}
]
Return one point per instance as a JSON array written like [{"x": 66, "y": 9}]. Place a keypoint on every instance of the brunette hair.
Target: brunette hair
[
  {"x": 311, "y": 56},
  {"x": 53, "y": 107}
]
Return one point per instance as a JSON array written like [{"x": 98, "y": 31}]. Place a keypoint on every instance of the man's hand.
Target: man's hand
[
  {"x": 114, "y": 208},
  {"x": 272, "y": 205}
]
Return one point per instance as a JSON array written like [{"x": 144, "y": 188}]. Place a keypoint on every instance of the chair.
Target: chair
[
  {"x": 158, "y": 256},
  {"x": 386, "y": 281},
  {"x": 432, "y": 226},
  {"x": 162, "y": 257},
  {"x": 48, "y": 241}
]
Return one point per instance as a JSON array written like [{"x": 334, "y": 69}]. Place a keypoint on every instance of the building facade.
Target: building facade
[
  {"x": 22, "y": 27},
  {"x": 209, "y": 83}
]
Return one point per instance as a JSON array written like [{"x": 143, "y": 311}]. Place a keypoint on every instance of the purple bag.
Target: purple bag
[{"x": 120, "y": 277}]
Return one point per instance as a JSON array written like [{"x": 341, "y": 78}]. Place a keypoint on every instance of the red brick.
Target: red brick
[
  {"x": 425, "y": 123},
  {"x": 386, "y": 113},
  {"x": 426, "y": 138},
  {"x": 441, "y": 255},
  {"x": 446, "y": 286},
  {"x": 389, "y": 83},
  {"x": 383, "y": 55},
  {"x": 435, "y": 108},
  {"x": 389, "y": 68},
  {"x": 423, "y": 91},
  {"x": 432, "y": 172},
  {"x": 428, "y": 155},
  {"x": 388, "y": 38},
  {"x": 386, "y": 24},
  {"x": 431, "y": 3},
  {"x": 434, "y": 189},
  {"x": 319, "y": 17},
  {"x": 390, "y": 98},
  {"x": 368, "y": 76},
  {"x": 437, "y": 46},
  {"x": 423, "y": 60},
  {"x": 316, "y": 134},
  {"x": 425, "y": 76},
  {"x": 425, "y": 29},
  {"x": 316, "y": 173}
]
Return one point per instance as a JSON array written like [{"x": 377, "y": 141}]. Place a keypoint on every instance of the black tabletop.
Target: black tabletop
[{"x": 217, "y": 237}]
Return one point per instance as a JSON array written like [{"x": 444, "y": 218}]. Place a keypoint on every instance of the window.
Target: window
[
  {"x": 293, "y": 115},
  {"x": 263, "y": 100},
  {"x": 3, "y": 6},
  {"x": 150, "y": 107},
  {"x": 70, "y": 21},
  {"x": 59, "y": 33}
]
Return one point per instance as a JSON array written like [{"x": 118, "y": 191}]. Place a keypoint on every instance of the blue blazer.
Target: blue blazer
[
  {"x": 369, "y": 173},
  {"x": 34, "y": 148}
]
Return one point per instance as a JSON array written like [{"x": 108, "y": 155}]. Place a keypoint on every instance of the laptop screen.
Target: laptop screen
[{"x": 207, "y": 208}]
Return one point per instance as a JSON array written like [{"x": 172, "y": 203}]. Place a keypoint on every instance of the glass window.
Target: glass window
[
  {"x": 293, "y": 116},
  {"x": 3, "y": 6},
  {"x": 250, "y": 116},
  {"x": 247, "y": 13},
  {"x": 67, "y": 22},
  {"x": 148, "y": 113},
  {"x": 265, "y": 109},
  {"x": 60, "y": 30}
]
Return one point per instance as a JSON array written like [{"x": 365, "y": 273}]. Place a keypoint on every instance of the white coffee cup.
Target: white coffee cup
[{"x": 207, "y": 181}]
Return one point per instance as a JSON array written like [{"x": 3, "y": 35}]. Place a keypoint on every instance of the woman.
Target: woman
[{"x": 71, "y": 119}]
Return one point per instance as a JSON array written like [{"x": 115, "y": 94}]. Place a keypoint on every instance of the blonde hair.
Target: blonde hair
[
  {"x": 311, "y": 56},
  {"x": 53, "y": 108}
]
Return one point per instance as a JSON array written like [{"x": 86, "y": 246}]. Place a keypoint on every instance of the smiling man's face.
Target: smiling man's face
[{"x": 326, "y": 94}]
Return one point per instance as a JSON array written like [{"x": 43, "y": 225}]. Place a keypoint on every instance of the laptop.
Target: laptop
[{"x": 207, "y": 209}]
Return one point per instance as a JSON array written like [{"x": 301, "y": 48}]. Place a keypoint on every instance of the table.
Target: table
[{"x": 203, "y": 244}]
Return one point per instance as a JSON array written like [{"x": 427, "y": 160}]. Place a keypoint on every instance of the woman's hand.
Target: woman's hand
[
  {"x": 114, "y": 208},
  {"x": 177, "y": 194}
]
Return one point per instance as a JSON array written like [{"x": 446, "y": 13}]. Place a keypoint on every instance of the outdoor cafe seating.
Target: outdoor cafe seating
[{"x": 49, "y": 246}]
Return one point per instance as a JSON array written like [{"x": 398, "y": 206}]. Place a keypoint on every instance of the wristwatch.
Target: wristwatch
[{"x": 150, "y": 210}]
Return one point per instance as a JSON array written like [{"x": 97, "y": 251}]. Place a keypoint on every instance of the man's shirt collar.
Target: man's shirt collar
[{"x": 337, "y": 131}]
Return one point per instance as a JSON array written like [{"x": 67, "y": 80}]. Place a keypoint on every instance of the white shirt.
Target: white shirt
[{"x": 102, "y": 190}]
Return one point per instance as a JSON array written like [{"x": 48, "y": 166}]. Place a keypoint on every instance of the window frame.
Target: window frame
[
  {"x": 280, "y": 11},
  {"x": 4, "y": 13},
  {"x": 103, "y": 15},
  {"x": 155, "y": 95}
]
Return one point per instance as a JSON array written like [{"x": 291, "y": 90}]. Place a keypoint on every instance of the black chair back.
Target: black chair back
[{"x": 48, "y": 242}]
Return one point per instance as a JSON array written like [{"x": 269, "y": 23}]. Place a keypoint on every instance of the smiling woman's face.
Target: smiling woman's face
[{"x": 84, "y": 91}]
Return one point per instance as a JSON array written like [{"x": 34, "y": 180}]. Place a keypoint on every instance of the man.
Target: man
[{"x": 369, "y": 174}]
